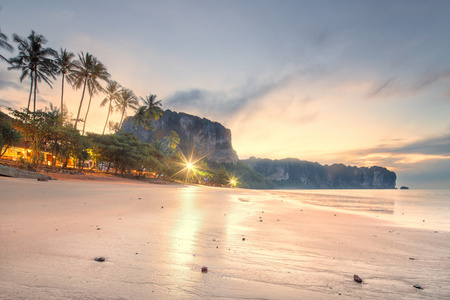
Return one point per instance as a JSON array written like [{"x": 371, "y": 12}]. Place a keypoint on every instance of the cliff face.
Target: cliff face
[
  {"x": 294, "y": 173},
  {"x": 207, "y": 138}
]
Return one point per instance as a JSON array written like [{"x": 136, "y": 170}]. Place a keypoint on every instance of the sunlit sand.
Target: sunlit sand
[{"x": 156, "y": 238}]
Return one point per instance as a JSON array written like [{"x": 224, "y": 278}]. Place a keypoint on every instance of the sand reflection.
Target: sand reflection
[{"x": 184, "y": 235}]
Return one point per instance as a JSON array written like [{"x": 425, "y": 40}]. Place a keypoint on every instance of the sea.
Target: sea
[{"x": 428, "y": 209}]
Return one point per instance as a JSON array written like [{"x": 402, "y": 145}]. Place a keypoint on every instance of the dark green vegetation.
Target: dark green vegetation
[
  {"x": 245, "y": 176},
  {"x": 8, "y": 135}
]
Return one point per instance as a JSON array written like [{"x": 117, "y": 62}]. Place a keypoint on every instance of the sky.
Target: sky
[{"x": 356, "y": 82}]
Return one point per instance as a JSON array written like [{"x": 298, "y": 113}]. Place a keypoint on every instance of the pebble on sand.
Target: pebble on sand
[
  {"x": 100, "y": 258},
  {"x": 417, "y": 286},
  {"x": 204, "y": 269},
  {"x": 357, "y": 278}
]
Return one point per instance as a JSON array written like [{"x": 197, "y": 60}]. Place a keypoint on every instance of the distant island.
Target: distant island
[{"x": 213, "y": 140}]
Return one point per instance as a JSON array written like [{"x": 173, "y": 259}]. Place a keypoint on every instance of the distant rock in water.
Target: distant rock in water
[
  {"x": 210, "y": 139},
  {"x": 294, "y": 173},
  {"x": 404, "y": 188}
]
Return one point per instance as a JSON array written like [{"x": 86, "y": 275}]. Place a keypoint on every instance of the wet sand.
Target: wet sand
[{"x": 156, "y": 238}]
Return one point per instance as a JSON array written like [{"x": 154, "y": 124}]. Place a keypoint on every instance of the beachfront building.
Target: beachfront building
[{"x": 17, "y": 154}]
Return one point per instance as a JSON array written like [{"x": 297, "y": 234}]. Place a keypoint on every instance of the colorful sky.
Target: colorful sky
[{"x": 356, "y": 82}]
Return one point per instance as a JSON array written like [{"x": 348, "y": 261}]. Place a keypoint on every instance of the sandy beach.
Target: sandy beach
[{"x": 156, "y": 239}]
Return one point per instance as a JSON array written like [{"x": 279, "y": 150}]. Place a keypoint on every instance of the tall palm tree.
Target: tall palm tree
[
  {"x": 151, "y": 110},
  {"x": 65, "y": 63},
  {"x": 127, "y": 99},
  {"x": 35, "y": 62},
  {"x": 112, "y": 95},
  {"x": 84, "y": 67},
  {"x": 5, "y": 45},
  {"x": 98, "y": 72}
]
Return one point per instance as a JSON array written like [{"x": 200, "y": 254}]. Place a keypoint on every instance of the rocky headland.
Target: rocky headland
[
  {"x": 294, "y": 173},
  {"x": 213, "y": 140},
  {"x": 204, "y": 137}
]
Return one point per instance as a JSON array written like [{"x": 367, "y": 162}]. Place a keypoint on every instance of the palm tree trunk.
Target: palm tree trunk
[
  {"x": 121, "y": 119},
  {"x": 107, "y": 117},
  {"x": 85, "y": 118},
  {"x": 62, "y": 98},
  {"x": 31, "y": 92},
  {"x": 81, "y": 103},
  {"x": 35, "y": 88}
]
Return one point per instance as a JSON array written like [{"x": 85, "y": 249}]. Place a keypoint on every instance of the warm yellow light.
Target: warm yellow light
[
  {"x": 189, "y": 166},
  {"x": 233, "y": 182}
]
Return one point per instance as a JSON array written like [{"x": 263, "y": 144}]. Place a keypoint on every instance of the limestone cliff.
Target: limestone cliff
[
  {"x": 294, "y": 173},
  {"x": 207, "y": 138}
]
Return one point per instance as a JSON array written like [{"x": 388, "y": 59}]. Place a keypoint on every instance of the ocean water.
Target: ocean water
[{"x": 429, "y": 209}]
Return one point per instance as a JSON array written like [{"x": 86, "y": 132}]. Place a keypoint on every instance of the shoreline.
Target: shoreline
[{"x": 156, "y": 238}]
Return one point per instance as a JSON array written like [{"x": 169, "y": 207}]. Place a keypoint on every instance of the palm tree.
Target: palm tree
[
  {"x": 34, "y": 61},
  {"x": 83, "y": 70},
  {"x": 174, "y": 139},
  {"x": 64, "y": 61},
  {"x": 5, "y": 45},
  {"x": 112, "y": 95},
  {"x": 127, "y": 99},
  {"x": 98, "y": 72},
  {"x": 151, "y": 110}
]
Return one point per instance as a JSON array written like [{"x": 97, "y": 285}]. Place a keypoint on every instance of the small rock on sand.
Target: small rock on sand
[
  {"x": 417, "y": 286},
  {"x": 99, "y": 258},
  {"x": 357, "y": 278},
  {"x": 204, "y": 269}
]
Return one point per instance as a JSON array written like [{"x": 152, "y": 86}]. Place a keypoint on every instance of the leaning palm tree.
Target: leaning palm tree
[
  {"x": 5, "y": 45},
  {"x": 34, "y": 61},
  {"x": 98, "y": 72},
  {"x": 112, "y": 95},
  {"x": 150, "y": 111},
  {"x": 80, "y": 75},
  {"x": 64, "y": 61},
  {"x": 127, "y": 99},
  {"x": 83, "y": 70}
]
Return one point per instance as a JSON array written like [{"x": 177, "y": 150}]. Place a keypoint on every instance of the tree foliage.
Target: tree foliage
[
  {"x": 112, "y": 91},
  {"x": 125, "y": 153},
  {"x": 147, "y": 113},
  {"x": 8, "y": 136},
  {"x": 65, "y": 64},
  {"x": 35, "y": 62},
  {"x": 127, "y": 99},
  {"x": 43, "y": 132}
]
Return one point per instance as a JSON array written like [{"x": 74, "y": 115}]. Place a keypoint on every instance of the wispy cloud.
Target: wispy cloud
[
  {"x": 226, "y": 103},
  {"x": 9, "y": 79},
  {"x": 437, "y": 145},
  {"x": 405, "y": 156},
  {"x": 405, "y": 85},
  {"x": 8, "y": 103}
]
